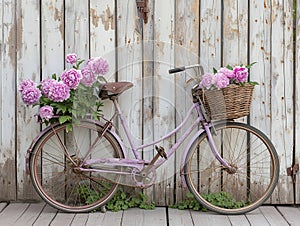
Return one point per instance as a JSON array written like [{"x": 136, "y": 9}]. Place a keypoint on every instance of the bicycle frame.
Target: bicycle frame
[{"x": 138, "y": 161}]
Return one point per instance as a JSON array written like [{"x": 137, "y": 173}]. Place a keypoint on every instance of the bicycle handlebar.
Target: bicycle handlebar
[
  {"x": 179, "y": 69},
  {"x": 175, "y": 70}
]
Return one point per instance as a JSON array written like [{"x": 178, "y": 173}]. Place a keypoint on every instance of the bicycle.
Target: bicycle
[{"x": 80, "y": 171}]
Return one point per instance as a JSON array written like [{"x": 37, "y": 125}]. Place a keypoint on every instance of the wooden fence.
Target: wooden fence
[{"x": 36, "y": 35}]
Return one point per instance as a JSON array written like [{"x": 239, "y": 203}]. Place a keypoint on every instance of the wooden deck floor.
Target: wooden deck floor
[{"x": 39, "y": 214}]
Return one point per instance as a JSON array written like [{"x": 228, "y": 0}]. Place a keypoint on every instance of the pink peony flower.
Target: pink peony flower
[
  {"x": 227, "y": 72},
  {"x": 207, "y": 81},
  {"x": 71, "y": 58},
  {"x": 220, "y": 80},
  {"x": 88, "y": 78},
  {"x": 46, "y": 112},
  {"x": 31, "y": 95},
  {"x": 46, "y": 86},
  {"x": 240, "y": 73},
  {"x": 71, "y": 78},
  {"x": 98, "y": 65},
  {"x": 25, "y": 84},
  {"x": 59, "y": 92}
]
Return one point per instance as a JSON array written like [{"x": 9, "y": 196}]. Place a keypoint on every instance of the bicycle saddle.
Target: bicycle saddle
[{"x": 114, "y": 88}]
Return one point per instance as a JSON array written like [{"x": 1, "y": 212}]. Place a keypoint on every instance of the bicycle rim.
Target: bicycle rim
[
  {"x": 246, "y": 149},
  {"x": 54, "y": 173}
]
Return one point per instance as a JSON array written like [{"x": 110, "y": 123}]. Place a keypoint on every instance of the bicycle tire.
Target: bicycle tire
[
  {"x": 250, "y": 152},
  {"x": 55, "y": 176}
]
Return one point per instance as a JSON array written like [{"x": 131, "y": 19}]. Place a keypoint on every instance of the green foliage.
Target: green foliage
[
  {"x": 224, "y": 200},
  {"x": 120, "y": 201},
  {"x": 189, "y": 203},
  {"x": 123, "y": 201},
  {"x": 221, "y": 199},
  {"x": 88, "y": 194}
]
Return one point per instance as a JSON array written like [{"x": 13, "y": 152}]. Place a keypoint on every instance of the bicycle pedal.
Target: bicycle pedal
[{"x": 161, "y": 151}]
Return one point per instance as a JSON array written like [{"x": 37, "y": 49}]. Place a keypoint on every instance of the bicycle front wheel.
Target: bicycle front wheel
[
  {"x": 54, "y": 167},
  {"x": 249, "y": 152}
]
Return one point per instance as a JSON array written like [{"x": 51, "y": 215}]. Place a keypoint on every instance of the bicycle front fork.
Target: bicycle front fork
[{"x": 231, "y": 169}]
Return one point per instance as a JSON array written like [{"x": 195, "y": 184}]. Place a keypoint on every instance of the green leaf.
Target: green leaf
[
  {"x": 64, "y": 118},
  {"x": 229, "y": 67},
  {"x": 253, "y": 83},
  {"x": 250, "y": 65},
  {"x": 69, "y": 128}
]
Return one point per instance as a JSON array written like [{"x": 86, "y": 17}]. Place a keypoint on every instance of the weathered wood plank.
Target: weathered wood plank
[
  {"x": 108, "y": 218},
  {"x": 235, "y": 32},
  {"x": 148, "y": 89},
  {"x": 102, "y": 33},
  {"x": 260, "y": 52},
  {"x": 209, "y": 218},
  {"x": 297, "y": 99},
  {"x": 282, "y": 95},
  {"x": 28, "y": 67},
  {"x": 7, "y": 97},
  {"x": 2, "y": 206},
  {"x": 272, "y": 215},
  {"x": 77, "y": 21},
  {"x": 52, "y": 34},
  {"x": 164, "y": 98},
  {"x": 62, "y": 219},
  {"x": 52, "y": 23},
  {"x": 95, "y": 218},
  {"x": 102, "y": 28},
  {"x": 129, "y": 68},
  {"x": 139, "y": 217},
  {"x": 80, "y": 219},
  {"x": 256, "y": 217},
  {"x": 290, "y": 214},
  {"x": 210, "y": 34},
  {"x": 239, "y": 220},
  {"x": 186, "y": 52},
  {"x": 41, "y": 214},
  {"x": 12, "y": 213},
  {"x": 103, "y": 39},
  {"x": 179, "y": 217},
  {"x": 30, "y": 215},
  {"x": 46, "y": 216}
]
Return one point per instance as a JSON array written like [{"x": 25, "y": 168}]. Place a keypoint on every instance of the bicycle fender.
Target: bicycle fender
[{"x": 35, "y": 140}]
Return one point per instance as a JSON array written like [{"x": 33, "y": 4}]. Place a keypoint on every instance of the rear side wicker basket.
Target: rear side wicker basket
[{"x": 228, "y": 103}]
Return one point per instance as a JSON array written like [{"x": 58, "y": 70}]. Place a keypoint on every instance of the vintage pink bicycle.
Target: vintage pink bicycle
[{"x": 80, "y": 171}]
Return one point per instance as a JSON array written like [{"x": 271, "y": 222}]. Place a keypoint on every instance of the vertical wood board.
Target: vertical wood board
[
  {"x": 28, "y": 67},
  {"x": 281, "y": 94},
  {"x": 7, "y": 98},
  {"x": 186, "y": 52},
  {"x": 163, "y": 96},
  {"x": 297, "y": 99}
]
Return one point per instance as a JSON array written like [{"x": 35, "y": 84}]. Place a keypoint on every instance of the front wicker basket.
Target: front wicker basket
[{"x": 231, "y": 102}]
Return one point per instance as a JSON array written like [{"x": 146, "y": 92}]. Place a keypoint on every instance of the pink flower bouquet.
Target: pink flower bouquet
[
  {"x": 226, "y": 93},
  {"x": 71, "y": 95},
  {"x": 225, "y": 76}
]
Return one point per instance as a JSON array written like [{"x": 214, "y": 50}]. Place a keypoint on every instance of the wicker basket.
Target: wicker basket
[{"x": 228, "y": 103}]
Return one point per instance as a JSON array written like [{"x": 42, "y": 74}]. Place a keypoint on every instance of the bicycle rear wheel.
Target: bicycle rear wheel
[
  {"x": 54, "y": 167},
  {"x": 246, "y": 149}
]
